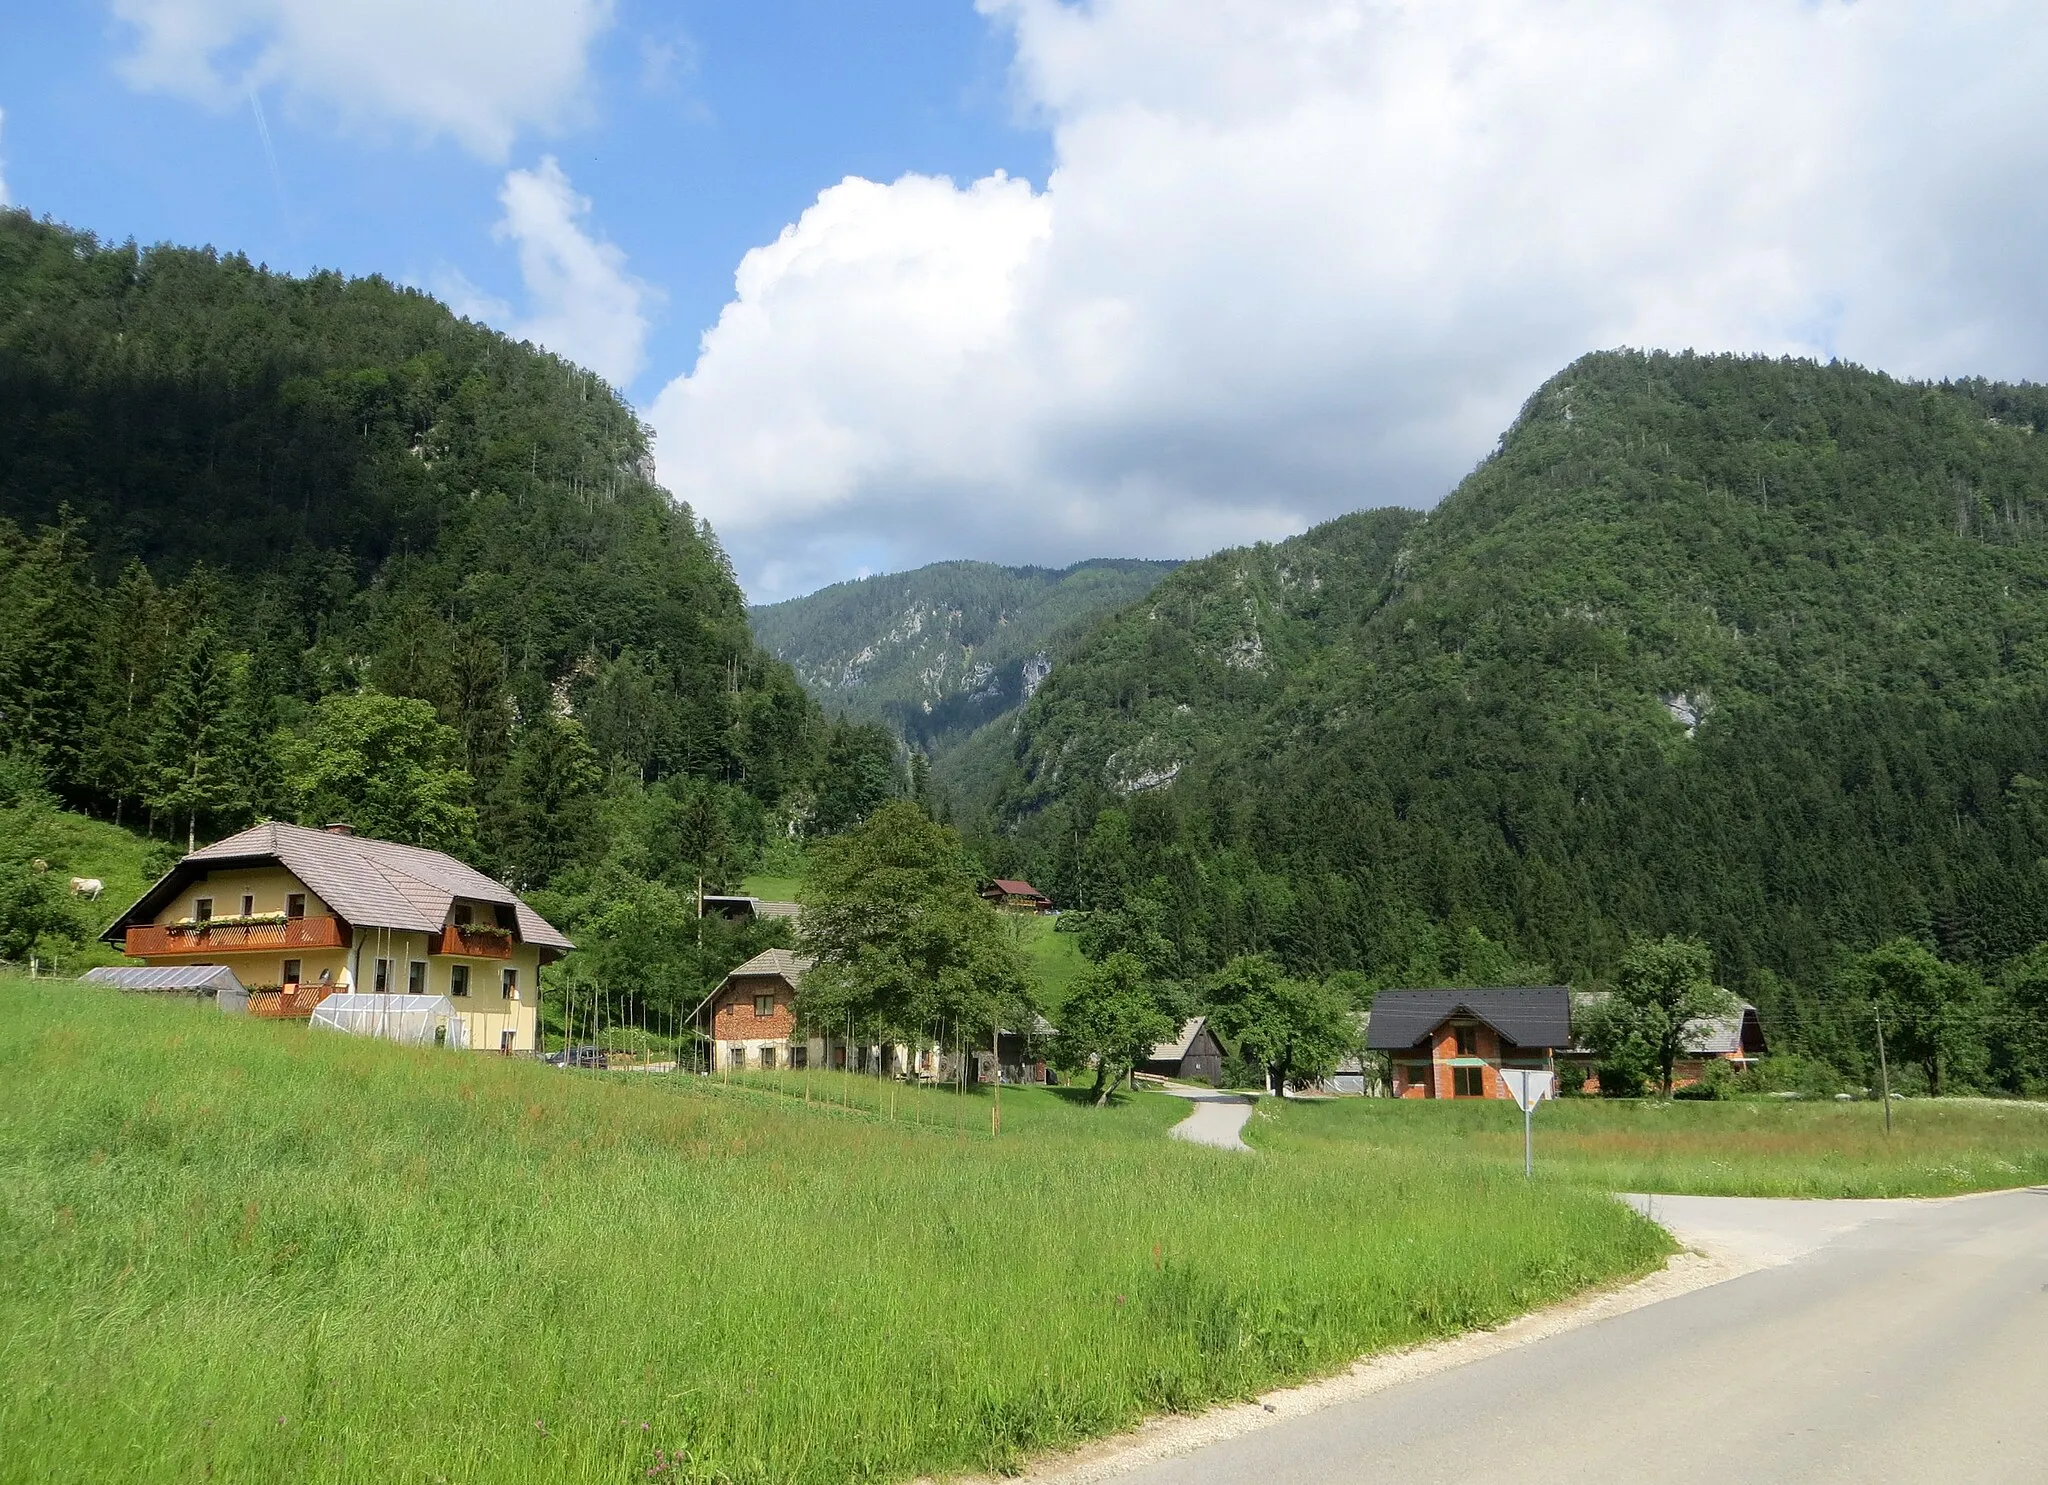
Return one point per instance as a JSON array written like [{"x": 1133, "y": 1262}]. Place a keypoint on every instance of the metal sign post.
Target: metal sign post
[{"x": 1528, "y": 1086}]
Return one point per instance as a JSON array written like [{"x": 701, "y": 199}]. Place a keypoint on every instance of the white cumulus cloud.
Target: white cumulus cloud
[
  {"x": 1302, "y": 256},
  {"x": 582, "y": 302},
  {"x": 477, "y": 71}
]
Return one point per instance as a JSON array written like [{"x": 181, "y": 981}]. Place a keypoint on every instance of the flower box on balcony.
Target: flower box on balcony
[
  {"x": 476, "y": 941},
  {"x": 223, "y": 936}
]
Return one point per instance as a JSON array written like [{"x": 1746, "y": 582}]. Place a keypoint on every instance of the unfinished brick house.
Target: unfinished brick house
[{"x": 1453, "y": 1043}]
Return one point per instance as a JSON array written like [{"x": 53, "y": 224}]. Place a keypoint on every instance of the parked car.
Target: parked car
[{"x": 580, "y": 1057}]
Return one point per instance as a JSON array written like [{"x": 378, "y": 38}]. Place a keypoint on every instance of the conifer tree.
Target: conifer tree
[
  {"x": 192, "y": 771},
  {"x": 549, "y": 800},
  {"x": 47, "y": 605},
  {"x": 134, "y": 650}
]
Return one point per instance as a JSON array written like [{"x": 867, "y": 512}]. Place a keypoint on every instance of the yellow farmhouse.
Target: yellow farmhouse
[{"x": 301, "y": 914}]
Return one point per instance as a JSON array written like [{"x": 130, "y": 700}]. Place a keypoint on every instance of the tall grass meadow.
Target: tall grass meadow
[{"x": 244, "y": 1251}]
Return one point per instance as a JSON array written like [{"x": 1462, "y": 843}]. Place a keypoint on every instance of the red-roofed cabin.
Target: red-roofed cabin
[{"x": 1020, "y": 896}]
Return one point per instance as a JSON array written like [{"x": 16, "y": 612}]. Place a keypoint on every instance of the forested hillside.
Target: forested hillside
[
  {"x": 1750, "y": 649},
  {"x": 318, "y": 548},
  {"x": 939, "y": 651}
]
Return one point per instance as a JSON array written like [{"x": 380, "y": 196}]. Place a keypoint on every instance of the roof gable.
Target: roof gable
[
  {"x": 780, "y": 962},
  {"x": 1526, "y": 1015}
]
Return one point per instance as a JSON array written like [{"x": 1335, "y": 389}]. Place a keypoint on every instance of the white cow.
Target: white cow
[{"x": 89, "y": 888}]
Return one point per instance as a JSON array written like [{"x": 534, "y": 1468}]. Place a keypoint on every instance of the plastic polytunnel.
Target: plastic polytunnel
[{"x": 418, "y": 1020}]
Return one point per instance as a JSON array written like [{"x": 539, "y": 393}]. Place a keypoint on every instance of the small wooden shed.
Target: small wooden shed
[{"x": 1193, "y": 1056}]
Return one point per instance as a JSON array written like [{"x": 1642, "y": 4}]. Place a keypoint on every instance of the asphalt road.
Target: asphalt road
[{"x": 1901, "y": 1341}]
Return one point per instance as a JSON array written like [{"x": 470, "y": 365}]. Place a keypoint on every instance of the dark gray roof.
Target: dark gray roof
[
  {"x": 1528, "y": 1016},
  {"x": 369, "y": 883}
]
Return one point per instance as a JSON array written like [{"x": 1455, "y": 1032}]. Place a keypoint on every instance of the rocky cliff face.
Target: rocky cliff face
[{"x": 945, "y": 649}]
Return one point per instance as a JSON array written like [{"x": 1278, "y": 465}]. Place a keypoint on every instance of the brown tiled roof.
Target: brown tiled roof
[
  {"x": 369, "y": 883},
  {"x": 1016, "y": 889}
]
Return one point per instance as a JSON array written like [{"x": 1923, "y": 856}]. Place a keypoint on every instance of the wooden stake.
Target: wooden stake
[{"x": 1884, "y": 1075}]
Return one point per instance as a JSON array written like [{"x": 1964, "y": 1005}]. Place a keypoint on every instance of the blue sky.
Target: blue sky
[
  {"x": 710, "y": 127},
  {"x": 1039, "y": 280}
]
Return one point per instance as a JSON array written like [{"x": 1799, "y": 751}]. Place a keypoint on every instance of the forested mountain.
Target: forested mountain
[
  {"x": 1750, "y": 649},
  {"x": 939, "y": 651},
  {"x": 276, "y": 545}
]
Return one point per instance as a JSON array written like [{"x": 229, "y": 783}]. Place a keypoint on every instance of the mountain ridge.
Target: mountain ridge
[
  {"x": 938, "y": 651},
  {"x": 1755, "y": 649}
]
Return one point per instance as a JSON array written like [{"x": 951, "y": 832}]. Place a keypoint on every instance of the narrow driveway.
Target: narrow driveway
[
  {"x": 1216, "y": 1119},
  {"x": 1901, "y": 1341}
]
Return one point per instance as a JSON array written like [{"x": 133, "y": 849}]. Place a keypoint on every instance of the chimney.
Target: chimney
[{"x": 340, "y": 827}]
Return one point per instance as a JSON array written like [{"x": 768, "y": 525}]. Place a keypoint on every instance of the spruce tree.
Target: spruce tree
[
  {"x": 134, "y": 651},
  {"x": 47, "y": 606},
  {"x": 192, "y": 772},
  {"x": 548, "y": 802}
]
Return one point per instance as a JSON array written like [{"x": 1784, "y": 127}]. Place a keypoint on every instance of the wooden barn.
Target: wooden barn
[
  {"x": 1018, "y": 896},
  {"x": 1193, "y": 1056}
]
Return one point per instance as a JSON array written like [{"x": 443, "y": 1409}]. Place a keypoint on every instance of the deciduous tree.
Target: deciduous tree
[
  {"x": 1933, "y": 1013},
  {"x": 1663, "y": 991},
  {"x": 383, "y": 764},
  {"x": 1299, "y": 1030},
  {"x": 902, "y": 941},
  {"x": 1112, "y": 1019}
]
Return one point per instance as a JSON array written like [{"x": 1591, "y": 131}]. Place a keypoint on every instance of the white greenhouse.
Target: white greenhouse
[{"x": 418, "y": 1020}]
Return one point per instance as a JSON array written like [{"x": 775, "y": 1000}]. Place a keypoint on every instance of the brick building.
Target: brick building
[
  {"x": 750, "y": 1021},
  {"x": 1453, "y": 1043}
]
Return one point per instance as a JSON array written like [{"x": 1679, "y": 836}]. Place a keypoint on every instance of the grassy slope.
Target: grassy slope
[
  {"x": 1055, "y": 958},
  {"x": 1766, "y": 1148},
  {"x": 250, "y": 1251},
  {"x": 772, "y": 889},
  {"x": 78, "y": 846}
]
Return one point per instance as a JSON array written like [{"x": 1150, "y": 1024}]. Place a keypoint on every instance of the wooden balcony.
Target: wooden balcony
[
  {"x": 157, "y": 941},
  {"x": 468, "y": 943},
  {"x": 290, "y": 1003}
]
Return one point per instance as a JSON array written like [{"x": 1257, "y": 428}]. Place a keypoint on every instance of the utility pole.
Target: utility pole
[{"x": 1884, "y": 1075}]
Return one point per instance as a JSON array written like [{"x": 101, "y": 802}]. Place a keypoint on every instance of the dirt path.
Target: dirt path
[{"x": 1216, "y": 1119}]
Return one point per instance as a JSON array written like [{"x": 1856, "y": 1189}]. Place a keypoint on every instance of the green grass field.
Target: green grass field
[
  {"x": 1055, "y": 958},
  {"x": 772, "y": 889},
  {"x": 247, "y": 1251},
  {"x": 1737, "y": 1148}
]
